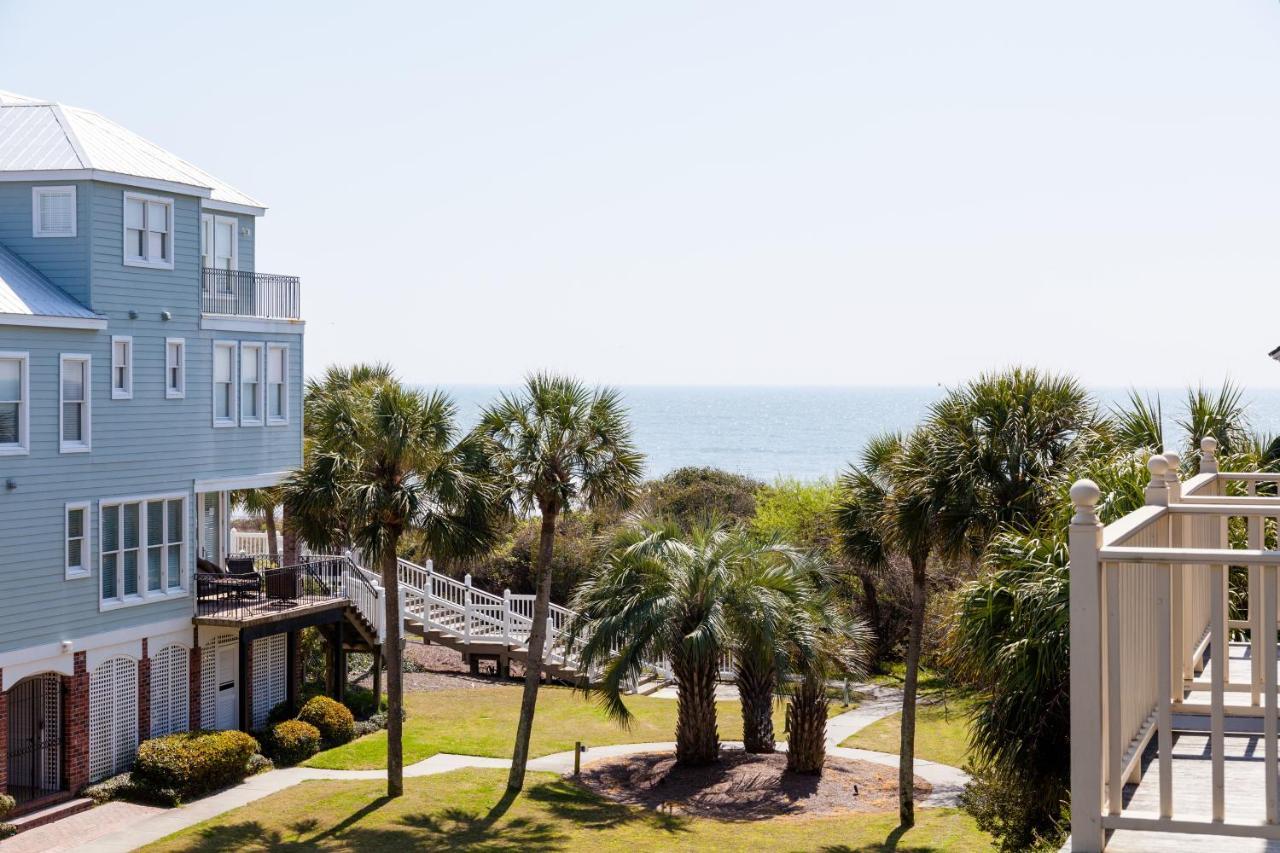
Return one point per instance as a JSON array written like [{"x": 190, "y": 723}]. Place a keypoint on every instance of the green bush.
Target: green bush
[
  {"x": 689, "y": 495},
  {"x": 259, "y": 763},
  {"x": 293, "y": 741},
  {"x": 332, "y": 719},
  {"x": 193, "y": 763},
  {"x": 284, "y": 711},
  {"x": 7, "y": 804},
  {"x": 116, "y": 788}
]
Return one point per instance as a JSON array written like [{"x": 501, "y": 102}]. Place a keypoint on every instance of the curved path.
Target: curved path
[{"x": 120, "y": 827}]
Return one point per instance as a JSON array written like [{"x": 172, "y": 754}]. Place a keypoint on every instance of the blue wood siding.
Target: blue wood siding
[
  {"x": 63, "y": 260},
  {"x": 146, "y": 445}
]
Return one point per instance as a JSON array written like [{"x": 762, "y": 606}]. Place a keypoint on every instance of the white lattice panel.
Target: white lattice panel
[
  {"x": 51, "y": 698},
  {"x": 169, "y": 678},
  {"x": 113, "y": 717},
  {"x": 270, "y": 662}
]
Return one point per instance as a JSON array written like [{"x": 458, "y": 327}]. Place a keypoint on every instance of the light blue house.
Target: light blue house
[{"x": 146, "y": 371}]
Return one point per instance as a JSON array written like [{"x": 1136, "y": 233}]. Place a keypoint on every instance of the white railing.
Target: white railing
[
  {"x": 254, "y": 543},
  {"x": 1149, "y": 599}
]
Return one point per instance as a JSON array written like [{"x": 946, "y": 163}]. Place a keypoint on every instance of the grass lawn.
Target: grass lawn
[
  {"x": 482, "y": 721},
  {"x": 468, "y": 810},
  {"x": 942, "y": 732}
]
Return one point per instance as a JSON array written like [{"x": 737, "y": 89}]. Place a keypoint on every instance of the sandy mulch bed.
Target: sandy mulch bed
[{"x": 747, "y": 787}]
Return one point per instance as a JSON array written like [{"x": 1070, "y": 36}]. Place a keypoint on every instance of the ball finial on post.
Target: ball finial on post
[
  {"x": 1157, "y": 492},
  {"x": 1174, "y": 477},
  {"x": 1208, "y": 455},
  {"x": 1085, "y": 495}
]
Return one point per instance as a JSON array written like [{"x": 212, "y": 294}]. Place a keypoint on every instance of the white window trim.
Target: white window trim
[
  {"x": 143, "y": 596},
  {"x": 124, "y": 231},
  {"x": 23, "y": 447},
  {"x": 259, "y": 349},
  {"x": 85, "y": 571},
  {"x": 181, "y": 391},
  {"x": 284, "y": 380},
  {"x": 232, "y": 418},
  {"x": 86, "y": 444},
  {"x": 36, "y": 193},
  {"x": 125, "y": 393}
]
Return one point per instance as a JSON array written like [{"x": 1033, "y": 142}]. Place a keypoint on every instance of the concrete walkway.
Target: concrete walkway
[{"x": 135, "y": 829}]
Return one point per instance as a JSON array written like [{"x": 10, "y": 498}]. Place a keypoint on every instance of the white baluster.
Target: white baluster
[
  {"x": 506, "y": 616},
  {"x": 466, "y": 607}
]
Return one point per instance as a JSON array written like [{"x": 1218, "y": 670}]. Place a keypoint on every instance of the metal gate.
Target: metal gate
[{"x": 35, "y": 737}]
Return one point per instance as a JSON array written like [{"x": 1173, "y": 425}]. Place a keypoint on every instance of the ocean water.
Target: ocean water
[{"x": 806, "y": 433}]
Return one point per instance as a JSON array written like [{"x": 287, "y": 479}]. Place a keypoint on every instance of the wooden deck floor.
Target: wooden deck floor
[{"x": 1192, "y": 777}]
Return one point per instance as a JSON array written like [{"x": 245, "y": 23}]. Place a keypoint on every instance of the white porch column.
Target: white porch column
[{"x": 1085, "y": 540}]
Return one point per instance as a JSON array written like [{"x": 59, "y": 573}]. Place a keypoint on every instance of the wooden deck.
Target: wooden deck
[{"x": 241, "y": 614}]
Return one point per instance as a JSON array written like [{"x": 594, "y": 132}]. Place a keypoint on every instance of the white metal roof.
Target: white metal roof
[
  {"x": 40, "y": 136},
  {"x": 26, "y": 296}
]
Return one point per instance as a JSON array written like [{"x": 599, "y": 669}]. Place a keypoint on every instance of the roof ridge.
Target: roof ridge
[{"x": 72, "y": 139}]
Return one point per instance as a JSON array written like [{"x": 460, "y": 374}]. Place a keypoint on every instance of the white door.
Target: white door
[{"x": 228, "y": 695}]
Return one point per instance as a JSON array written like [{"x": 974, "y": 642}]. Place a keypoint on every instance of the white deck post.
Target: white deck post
[
  {"x": 1157, "y": 494},
  {"x": 466, "y": 608},
  {"x": 1221, "y": 666},
  {"x": 1179, "y": 661},
  {"x": 1087, "y": 834},
  {"x": 506, "y": 616},
  {"x": 1268, "y": 650},
  {"x": 1255, "y": 608}
]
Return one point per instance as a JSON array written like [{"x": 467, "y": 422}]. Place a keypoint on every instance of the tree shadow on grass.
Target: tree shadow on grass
[
  {"x": 588, "y": 810},
  {"x": 890, "y": 843}
]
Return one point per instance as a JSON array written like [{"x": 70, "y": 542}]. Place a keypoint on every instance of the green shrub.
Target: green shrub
[
  {"x": 192, "y": 763},
  {"x": 332, "y": 719},
  {"x": 293, "y": 741},
  {"x": 116, "y": 788},
  {"x": 7, "y": 830},
  {"x": 259, "y": 763},
  {"x": 284, "y": 711},
  {"x": 7, "y": 804}
]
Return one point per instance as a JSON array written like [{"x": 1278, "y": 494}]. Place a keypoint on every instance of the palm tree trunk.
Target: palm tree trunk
[
  {"x": 871, "y": 604},
  {"x": 907, "y": 749},
  {"x": 273, "y": 549},
  {"x": 697, "y": 739},
  {"x": 391, "y": 653},
  {"x": 756, "y": 679},
  {"x": 807, "y": 727},
  {"x": 537, "y": 644}
]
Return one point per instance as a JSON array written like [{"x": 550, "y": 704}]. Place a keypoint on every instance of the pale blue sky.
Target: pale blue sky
[{"x": 861, "y": 193}]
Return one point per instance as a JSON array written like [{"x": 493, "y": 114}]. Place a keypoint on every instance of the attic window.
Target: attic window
[{"x": 53, "y": 211}]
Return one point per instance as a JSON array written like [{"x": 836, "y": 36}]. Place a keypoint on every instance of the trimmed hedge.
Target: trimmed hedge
[
  {"x": 7, "y": 804},
  {"x": 333, "y": 720},
  {"x": 293, "y": 741},
  {"x": 193, "y": 763},
  {"x": 116, "y": 788},
  {"x": 259, "y": 763}
]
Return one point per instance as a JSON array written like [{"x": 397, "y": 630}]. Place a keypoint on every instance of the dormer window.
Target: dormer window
[
  {"x": 53, "y": 211},
  {"x": 148, "y": 231}
]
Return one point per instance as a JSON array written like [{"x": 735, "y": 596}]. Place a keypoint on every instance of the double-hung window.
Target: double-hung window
[
  {"x": 148, "y": 231},
  {"x": 73, "y": 415},
  {"x": 77, "y": 532},
  {"x": 53, "y": 211},
  {"x": 224, "y": 383},
  {"x": 121, "y": 367},
  {"x": 250, "y": 384},
  {"x": 143, "y": 550},
  {"x": 175, "y": 368},
  {"x": 277, "y": 384},
  {"x": 14, "y": 405}
]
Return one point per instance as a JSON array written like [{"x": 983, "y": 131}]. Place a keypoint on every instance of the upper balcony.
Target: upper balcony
[{"x": 232, "y": 293}]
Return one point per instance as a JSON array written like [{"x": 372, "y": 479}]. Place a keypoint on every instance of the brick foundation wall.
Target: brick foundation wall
[
  {"x": 193, "y": 688},
  {"x": 4, "y": 737},
  {"x": 75, "y": 722},
  {"x": 144, "y": 694}
]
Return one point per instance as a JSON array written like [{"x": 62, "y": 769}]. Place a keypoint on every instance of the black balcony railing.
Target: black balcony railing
[
  {"x": 250, "y": 294},
  {"x": 269, "y": 590}
]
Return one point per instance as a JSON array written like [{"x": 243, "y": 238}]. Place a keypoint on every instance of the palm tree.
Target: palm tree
[
  {"x": 662, "y": 594},
  {"x": 887, "y": 506},
  {"x": 822, "y": 644},
  {"x": 263, "y": 504},
  {"x": 1221, "y": 415},
  {"x": 556, "y": 446},
  {"x": 767, "y": 587},
  {"x": 1140, "y": 424},
  {"x": 383, "y": 459}
]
